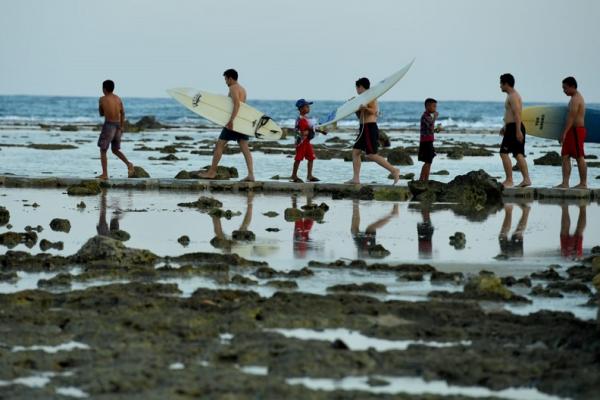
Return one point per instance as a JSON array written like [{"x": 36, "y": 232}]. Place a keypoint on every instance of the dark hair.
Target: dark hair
[
  {"x": 231, "y": 73},
  {"x": 108, "y": 85},
  {"x": 570, "y": 81},
  {"x": 364, "y": 82},
  {"x": 429, "y": 100},
  {"x": 508, "y": 79}
]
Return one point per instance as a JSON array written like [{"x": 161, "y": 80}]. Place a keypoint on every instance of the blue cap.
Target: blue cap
[{"x": 302, "y": 102}]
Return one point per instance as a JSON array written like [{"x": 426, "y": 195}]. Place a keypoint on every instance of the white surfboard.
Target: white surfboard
[
  {"x": 374, "y": 92},
  {"x": 217, "y": 109}
]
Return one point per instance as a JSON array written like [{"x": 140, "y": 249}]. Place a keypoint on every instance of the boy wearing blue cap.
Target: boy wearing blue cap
[{"x": 305, "y": 132}]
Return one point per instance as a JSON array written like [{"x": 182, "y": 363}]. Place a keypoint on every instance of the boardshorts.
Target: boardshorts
[
  {"x": 304, "y": 151},
  {"x": 228, "y": 134},
  {"x": 510, "y": 144},
  {"x": 572, "y": 146},
  {"x": 426, "y": 152},
  {"x": 110, "y": 136},
  {"x": 368, "y": 139}
]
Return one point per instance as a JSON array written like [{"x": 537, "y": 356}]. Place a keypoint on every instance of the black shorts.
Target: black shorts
[
  {"x": 510, "y": 144},
  {"x": 426, "y": 152},
  {"x": 368, "y": 139},
  {"x": 228, "y": 134}
]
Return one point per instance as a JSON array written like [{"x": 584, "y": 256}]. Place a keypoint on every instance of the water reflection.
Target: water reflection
[
  {"x": 229, "y": 244},
  {"x": 571, "y": 246},
  {"x": 425, "y": 231},
  {"x": 302, "y": 227},
  {"x": 366, "y": 240},
  {"x": 103, "y": 228},
  {"x": 513, "y": 246}
]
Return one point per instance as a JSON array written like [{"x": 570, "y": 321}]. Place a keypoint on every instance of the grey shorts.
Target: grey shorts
[
  {"x": 228, "y": 134},
  {"x": 110, "y": 136}
]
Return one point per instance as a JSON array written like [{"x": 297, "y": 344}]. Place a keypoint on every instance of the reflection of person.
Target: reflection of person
[
  {"x": 513, "y": 133},
  {"x": 425, "y": 234},
  {"x": 368, "y": 136},
  {"x": 302, "y": 228},
  {"x": 513, "y": 246},
  {"x": 573, "y": 136},
  {"x": 103, "y": 228},
  {"x": 366, "y": 240},
  {"x": 571, "y": 246},
  {"x": 111, "y": 108},
  {"x": 221, "y": 240},
  {"x": 238, "y": 96}
]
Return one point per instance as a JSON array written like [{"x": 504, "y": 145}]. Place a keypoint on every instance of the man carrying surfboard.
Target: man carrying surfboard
[
  {"x": 238, "y": 95},
  {"x": 573, "y": 136},
  {"x": 368, "y": 137},
  {"x": 513, "y": 133}
]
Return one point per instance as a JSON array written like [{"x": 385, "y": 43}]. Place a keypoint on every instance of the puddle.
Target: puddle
[
  {"x": 176, "y": 366},
  {"x": 254, "y": 370},
  {"x": 418, "y": 386},
  {"x": 70, "y": 346},
  {"x": 356, "y": 341},
  {"x": 72, "y": 392}
]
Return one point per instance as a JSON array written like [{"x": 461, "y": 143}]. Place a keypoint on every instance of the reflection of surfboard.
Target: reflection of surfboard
[
  {"x": 352, "y": 105},
  {"x": 548, "y": 122},
  {"x": 217, "y": 109}
]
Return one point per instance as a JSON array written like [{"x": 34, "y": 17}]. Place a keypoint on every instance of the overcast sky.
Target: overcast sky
[{"x": 310, "y": 48}]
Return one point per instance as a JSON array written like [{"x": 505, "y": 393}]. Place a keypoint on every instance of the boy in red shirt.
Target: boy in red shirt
[{"x": 304, "y": 149}]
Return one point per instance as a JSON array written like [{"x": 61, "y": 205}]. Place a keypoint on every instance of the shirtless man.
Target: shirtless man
[
  {"x": 238, "y": 95},
  {"x": 368, "y": 137},
  {"x": 573, "y": 136},
  {"x": 513, "y": 133},
  {"x": 111, "y": 108}
]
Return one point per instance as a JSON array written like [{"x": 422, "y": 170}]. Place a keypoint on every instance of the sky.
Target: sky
[{"x": 311, "y": 48}]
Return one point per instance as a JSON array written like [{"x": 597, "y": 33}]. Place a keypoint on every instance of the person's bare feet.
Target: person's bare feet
[
  {"x": 130, "y": 170},
  {"x": 352, "y": 182},
  {"x": 507, "y": 184},
  {"x": 396, "y": 176},
  {"x": 102, "y": 177},
  {"x": 312, "y": 179},
  {"x": 580, "y": 186},
  {"x": 525, "y": 183},
  {"x": 561, "y": 186},
  {"x": 207, "y": 175},
  {"x": 247, "y": 179}
]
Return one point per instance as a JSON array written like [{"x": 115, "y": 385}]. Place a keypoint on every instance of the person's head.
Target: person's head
[
  {"x": 231, "y": 76},
  {"x": 569, "y": 85},
  {"x": 108, "y": 86},
  {"x": 303, "y": 106},
  {"x": 362, "y": 84},
  {"x": 507, "y": 82},
  {"x": 431, "y": 105}
]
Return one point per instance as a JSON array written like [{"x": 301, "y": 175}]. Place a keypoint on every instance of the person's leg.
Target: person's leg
[
  {"x": 425, "y": 170},
  {"x": 355, "y": 222},
  {"x": 522, "y": 164},
  {"x": 522, "y": 225},
  {"x": 217, "y": 154},
  {"x": 294, "y": 176},
  {"x": 356, "y": 153},
  {"x": 581, "y": 220},
  {"x": 565, "y": 220},
  {"x": 248, "y": 157},
  {"x": 508, "y": 182},
  {"x": 566, "y": 172},
  {"x": 117, "y": 152},
  {"x": 385, "y": 164},
  {"x": 582, "y": 168},
  {"x": 104, "y": 163},
  {"x": 309, "y": 170},
  {"x": 507, "y": 222}
]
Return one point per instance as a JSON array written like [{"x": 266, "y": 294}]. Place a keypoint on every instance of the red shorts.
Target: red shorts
[
  {"x": 571, "y": 246},
  {"x": 572, "y": 146},
  {"x": 304, "y": 151}
]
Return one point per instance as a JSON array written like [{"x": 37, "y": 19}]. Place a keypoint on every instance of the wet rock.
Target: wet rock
[
  {"x": 271, "y": 214},
  {"x": 9, "y": 277},
  {"x": 458, "y": 241},
  {"x": 441, "y": 172},
  {"x": 313, "y": 211},
  {"x": 411, "y": 277},
  {"x": 392, "y": 194},
  {"x": 183, "y": 175},
  {"x": 488, "y": 287},
  {"x": 581, "y": 272},
  {"x": 569, "y": 287},
  {"x": 552, "y": 158},
  {"x": 120, "y": 235},
  {"x": 46, "y": 245},
  {"x": 221, "y": 243},
  {"x": 169, "y": 149},
  {"x": 595, "y": 250},
  {"x": 243, "y": 281},
  {"x": 60, "y": 225},
  {"x": 81, "y": 205},
  {"x": 512, "y": 281},
  {"x": 384, "y": 139},
  {"x": 52, "y": 146},
  {"x": 399, "y": 156},
  {"x": 87, "y": 188},
  {"x": 216, "y": 258},
  {"x": 339, "y": 344},
  {"x": 368, "y": 287},
  {"x": 439, "y": 276},
  {"x": 272, "y": 229},
  {"x": 596, "y": 282},
  {"x": 4, "y": 216},
  {"x": 183, "y": 137},
  {"x": 243, "y": 235},
  {"x": 69, "y": 128},
  {"x": 149, "y": 122},
  {"x": 13, "y": 239},
  {"x": 105, "y": 251},
  {"x": 223, "y": 173},
  {"x": 284, "y": 285},
  {"x": 37, "y": 229},
  {"x": 25, "y": 261},
  {"x": 265, "y": 273},
  {"x": 203, "y": 203},
  {"x": 220, "y": 213},
  {"x": 298, "y": 273},
  {"x": 139, "y": 172},
  {"x": 547, "y": 275},
  {"x": 378, "y": 251},
  {"x": 456, "y": 154},
  {"x": 62, "y": 280},
  {"x": 540, "y": 291},
  {"x": 184, "y": 240},
  {"x": 407, "y": 177}
]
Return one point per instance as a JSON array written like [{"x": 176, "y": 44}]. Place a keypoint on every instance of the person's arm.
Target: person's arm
[
  {"x": 235, "y": 96},
  {"x": 570, "y": 119},
  {"x": 100, "y": 109},
  {"x": 122, "y": 112},
  {"x": 370, "y": 108},
  {"x": 515, "y": 108}
]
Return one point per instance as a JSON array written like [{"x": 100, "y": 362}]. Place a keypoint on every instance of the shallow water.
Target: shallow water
[{"x": 84, "y": 161}]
